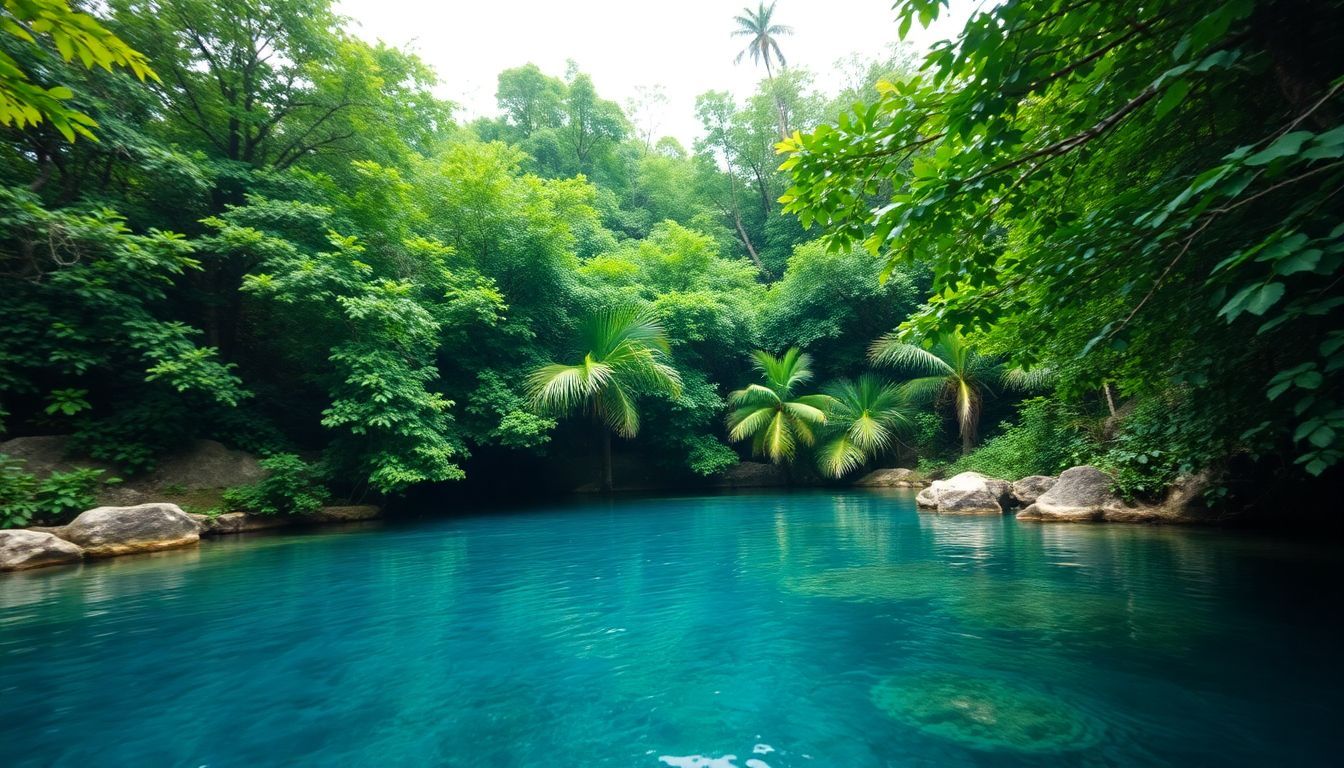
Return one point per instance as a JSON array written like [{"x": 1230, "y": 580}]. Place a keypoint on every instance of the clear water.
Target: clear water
[{"x": 747, "y": 631}]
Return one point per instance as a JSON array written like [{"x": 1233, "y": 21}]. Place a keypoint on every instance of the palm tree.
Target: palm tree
[
  {"x": 773, "y": 415},
  {"x": 624, "y": 351},
  {"x": 763, "y": 46},
  {"x": 865, "y": 419},
  {"x": 953, "y": 372}
]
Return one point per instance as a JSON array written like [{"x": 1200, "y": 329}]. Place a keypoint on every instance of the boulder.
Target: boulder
[
  {"x": 1083, "y": 494},
  {"x": 345, "y": 514},
  {"x": 237, "y": 522},
  {"x": 44, "y": 454},
  {"x": 899, "y": 477},
  {"x": 1080, "y": 494},
  {"x": 752, "y": 474},
  {"x": 112, "y": 531},
  {"x": 23, "y": 549},
  {"x": 927, "y": 498},
  {"x": 1028, "y": 489},
  {"x": 969, "y": 493},
  {"x": 205, "y": 464}
]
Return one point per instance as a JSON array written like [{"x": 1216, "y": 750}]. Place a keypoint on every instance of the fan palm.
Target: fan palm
[
  {"x": 624, "y": 352},
  {"x": 865, "y": 419},
  {"x": 763, "y": 46},
  {"x": 953, "y": 372},
  {"x": 773, "y": 416}
]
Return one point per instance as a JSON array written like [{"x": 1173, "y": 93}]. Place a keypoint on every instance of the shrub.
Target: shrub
[
  {"x": 1156, "y": 443},
  {"x": 291, "y": 487},
  {"x": 1047, "y": 439},
  {"x": 24, "y": 499}
]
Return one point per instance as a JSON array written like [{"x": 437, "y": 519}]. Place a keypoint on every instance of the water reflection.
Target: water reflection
[{"x": 831, "y": 629}]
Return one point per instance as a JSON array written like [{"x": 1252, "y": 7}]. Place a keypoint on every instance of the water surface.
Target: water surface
[{"x": 753, "y": 631}]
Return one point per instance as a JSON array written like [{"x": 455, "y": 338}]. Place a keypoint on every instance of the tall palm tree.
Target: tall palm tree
[
  {"x": 773, "y": 416},
  {"x": 624, "y": 352},
  {"x": 953, "y": 372},
  {"x": 866, "y": 418},
  {"x": 764, "y": 46}
]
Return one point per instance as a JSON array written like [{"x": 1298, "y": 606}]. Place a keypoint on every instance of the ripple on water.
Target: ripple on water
[{"x": 986, "y": 713}]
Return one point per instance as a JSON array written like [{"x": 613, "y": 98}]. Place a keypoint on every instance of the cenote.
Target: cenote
[{"x": 801, "y": 629}]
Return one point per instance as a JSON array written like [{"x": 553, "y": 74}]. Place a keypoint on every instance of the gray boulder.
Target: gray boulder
[
  {"x": 927, "y": 498},
  {"x": 22, "y": 549},
  {"x": 969, "y": 493},
  {"x": 898, "y": 477},
  {"x": 1028, "y": 489},
  {"x": 1081, "y": 494},
  {"x": 238, "y": 522},
  {"x": 113, "y": 531},
  {"x": 752, "y": 474},
  {"x": 205, "y": 464}
]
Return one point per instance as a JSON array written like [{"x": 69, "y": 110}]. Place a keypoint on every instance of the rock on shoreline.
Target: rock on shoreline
[
  {"x": 898, "y": 477},
  {"x": 23, "y": 549},
  {"x": 113, "y": 531}
]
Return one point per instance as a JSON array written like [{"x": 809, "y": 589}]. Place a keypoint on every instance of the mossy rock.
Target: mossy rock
[{"x": 986, "y": 713}]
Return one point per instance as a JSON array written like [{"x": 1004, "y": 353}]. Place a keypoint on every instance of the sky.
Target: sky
[{"x": 685, "y": 46}]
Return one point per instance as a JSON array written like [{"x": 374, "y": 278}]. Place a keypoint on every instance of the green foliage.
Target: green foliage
[
  {"x": 292, "y": 486},
  {"x": 1157, "y": 443},
  {"x": 707, "y": 456},
  {"x": 25, "y": 98},
  {"x": 1126, "y": 193},
  {"x": 624, "y": 353},
  {"x": 953, "y": 373},
  {"x": 774, "y": 416},
  {"x": 24, "y": 499},
  {"x": 1047, "y": 438},
  {"x": 865, "y": 419},
  {"x": 832, "y": 303}
]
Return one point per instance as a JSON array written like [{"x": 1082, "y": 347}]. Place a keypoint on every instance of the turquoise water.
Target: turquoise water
[{"x": 809, "y": 629}]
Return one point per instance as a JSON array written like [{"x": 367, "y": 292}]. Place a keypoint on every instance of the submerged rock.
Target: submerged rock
[
  {"x": 969, "y": 493},
  {"x": 985, "y": 713},
  {"x": 898, "y": 477},
  {"x": 1028, "y": 489},
  {"x": 23, "y": 549},
  {"x": 237, "y": 522},
  {"x": 242, "y": 522},
  {"x": 345, "y": 514},
  {"x": 879, "y": 582},
  {"x": 112, "y": 531}
]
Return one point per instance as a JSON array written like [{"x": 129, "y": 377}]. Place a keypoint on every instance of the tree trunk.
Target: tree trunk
[
  {"x": 606, "y": 460},
  {"x": 736, "y": 213},
  {"x": 779, "y": 106}
]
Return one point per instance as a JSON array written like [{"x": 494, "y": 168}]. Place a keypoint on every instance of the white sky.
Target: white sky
[{"x": 685, "y": 45}]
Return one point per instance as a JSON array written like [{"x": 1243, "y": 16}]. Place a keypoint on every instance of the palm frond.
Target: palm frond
[
  {"x": 755, "y": 395},
  {"x": 805, "y": 413},
  {"x": 561, "y": 389},
  {"x": 924, "y": 389},
  {"x": 1029, "y": 379},
  {"x": 890, "y": 350},
  {"x": 779, "y": 441},
  {"x": 749, "y": 421},
  {"x": 617, "y": 410},
  {"x": 839, "y": 457}
]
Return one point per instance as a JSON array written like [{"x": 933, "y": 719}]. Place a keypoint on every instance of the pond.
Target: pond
[{"x": 752, "y": 631}]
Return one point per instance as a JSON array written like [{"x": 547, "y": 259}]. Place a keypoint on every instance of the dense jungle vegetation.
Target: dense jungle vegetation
[{"x": 1085, "y": 231}]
